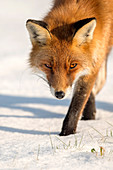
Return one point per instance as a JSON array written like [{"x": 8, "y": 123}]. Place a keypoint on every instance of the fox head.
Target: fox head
[{"x": 61, "y": 54}]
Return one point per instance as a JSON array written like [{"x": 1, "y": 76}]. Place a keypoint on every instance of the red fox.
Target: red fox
[{"x": 70, "y": 47}]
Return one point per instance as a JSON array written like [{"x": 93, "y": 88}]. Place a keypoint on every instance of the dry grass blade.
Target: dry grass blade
[{"x": 97, "y": 132}]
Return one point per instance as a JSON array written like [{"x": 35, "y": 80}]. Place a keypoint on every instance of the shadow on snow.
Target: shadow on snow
[
  {"x": 104, "y": 106},
  {"x": 22, "y": 131},
  {"x": 14, "y": 102}
]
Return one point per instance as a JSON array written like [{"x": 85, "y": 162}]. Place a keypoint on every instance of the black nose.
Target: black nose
[{"x": 59, "y": 94}]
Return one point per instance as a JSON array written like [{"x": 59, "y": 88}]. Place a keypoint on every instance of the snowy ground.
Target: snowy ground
[{"x": 30, "y": 118}]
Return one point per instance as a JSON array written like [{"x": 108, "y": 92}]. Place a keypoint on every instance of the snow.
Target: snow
[{"x": 30, "y": 117}]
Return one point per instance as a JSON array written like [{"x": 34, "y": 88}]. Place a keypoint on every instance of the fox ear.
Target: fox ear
[
  {"x": 84, "y": 34},
  {"x": 39, "y": 34}
]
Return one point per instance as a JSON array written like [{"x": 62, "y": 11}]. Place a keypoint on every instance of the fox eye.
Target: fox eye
[
  {"x": 48, "y": 66},
  {"x": 72, "y": 66}
]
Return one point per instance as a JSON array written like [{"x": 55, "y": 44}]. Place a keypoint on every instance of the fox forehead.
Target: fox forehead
[{"x": 59, "y": 52}]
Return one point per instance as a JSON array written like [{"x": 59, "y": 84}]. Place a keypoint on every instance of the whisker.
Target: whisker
[{"x": 42, "y": 78}]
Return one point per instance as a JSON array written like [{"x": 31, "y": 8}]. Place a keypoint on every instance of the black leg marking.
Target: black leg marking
[
  {"x": 75, "y": 109},
  {"x": 90, "y": 109}
]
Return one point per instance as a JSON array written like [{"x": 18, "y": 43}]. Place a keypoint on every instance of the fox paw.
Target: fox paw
[{"x": 67, "y": 132}]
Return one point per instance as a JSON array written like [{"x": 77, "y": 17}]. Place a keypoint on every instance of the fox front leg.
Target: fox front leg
[
  {"x": 90, "y": 108},
  {"x": 77, "y": 105}
]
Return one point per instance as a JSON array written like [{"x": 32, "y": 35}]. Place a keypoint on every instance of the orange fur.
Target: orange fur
[
  {"x": 65, "y": 12},
  {"x": 65, "y": 44}
]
